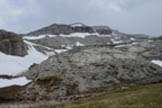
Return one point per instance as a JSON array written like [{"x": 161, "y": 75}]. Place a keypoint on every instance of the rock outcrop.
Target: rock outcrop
[
  {"x": 102, "y": 30},
  {"x": 87, "y": 69},
  {"x": 12, "y": 44}
]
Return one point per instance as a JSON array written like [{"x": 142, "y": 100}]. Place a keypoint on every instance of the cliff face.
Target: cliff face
[{"x": 12, "y": 44}]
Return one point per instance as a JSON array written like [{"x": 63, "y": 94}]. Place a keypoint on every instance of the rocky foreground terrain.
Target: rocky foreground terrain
[
  {"x": 85, "y": 60},
  {"x": 87, "y": 69}
]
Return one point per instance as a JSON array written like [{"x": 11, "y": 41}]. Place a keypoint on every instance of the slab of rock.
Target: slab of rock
[{"x": 12, "y": 44}]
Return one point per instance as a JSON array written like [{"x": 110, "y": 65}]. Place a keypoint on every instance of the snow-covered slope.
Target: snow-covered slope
[{"x": 14, "y": 65}]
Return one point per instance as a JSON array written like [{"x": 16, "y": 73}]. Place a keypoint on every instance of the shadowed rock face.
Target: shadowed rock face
[
  {"x": 57, "y": 29},
  {"x": 10, "y": 94},
  {"x": 12, "y": 44}
]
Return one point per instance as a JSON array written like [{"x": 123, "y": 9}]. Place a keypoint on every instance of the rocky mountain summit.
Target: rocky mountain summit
[
  {"x": 62, "y": 36},
  {"x": 57, "y": 29},
  {"x": 12, "y": 44}
]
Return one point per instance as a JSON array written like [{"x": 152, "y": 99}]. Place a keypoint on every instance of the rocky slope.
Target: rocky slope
[
  {"x": 87, "y": 69},
  {"x": 12, "y": 44}
]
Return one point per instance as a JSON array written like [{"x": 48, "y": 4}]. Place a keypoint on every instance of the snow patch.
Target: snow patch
[
  {"x": 77, "y": 25},
  {"x": 34, "y": 37},
  {"x": 38, "y": 37},
  {"x": 79, "y": 44},
  {"x": 51, "y": 36},
  {"x": 81, "y": 35},
  {"x": 116, "y": 41},
  {"x": 21, "y": 81},
  {"x": 60, "y": 50},
  {"x": 157, "y": 62},
  {"x": 132, "y": 39},
  {"x": 48, "y": 53},
  {"x": 126, "y": 45}
]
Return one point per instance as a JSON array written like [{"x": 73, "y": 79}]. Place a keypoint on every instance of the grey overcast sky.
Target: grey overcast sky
[{"x": 130, "y": 16}]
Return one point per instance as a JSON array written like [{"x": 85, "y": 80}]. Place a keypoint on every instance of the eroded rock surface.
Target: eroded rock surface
[
  {"x": 12, "y": 44},
  {"x": 85, "y": 69}
]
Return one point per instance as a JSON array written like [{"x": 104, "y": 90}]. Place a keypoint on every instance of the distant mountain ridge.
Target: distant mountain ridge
[
  {"x": 56, "y": 29},
  {"x": 60, "y": 36}
]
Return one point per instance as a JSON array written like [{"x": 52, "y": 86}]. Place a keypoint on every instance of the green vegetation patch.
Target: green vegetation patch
[
  {"x": 137, "y": 96},
  {"x": 50, "y": 78}
]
